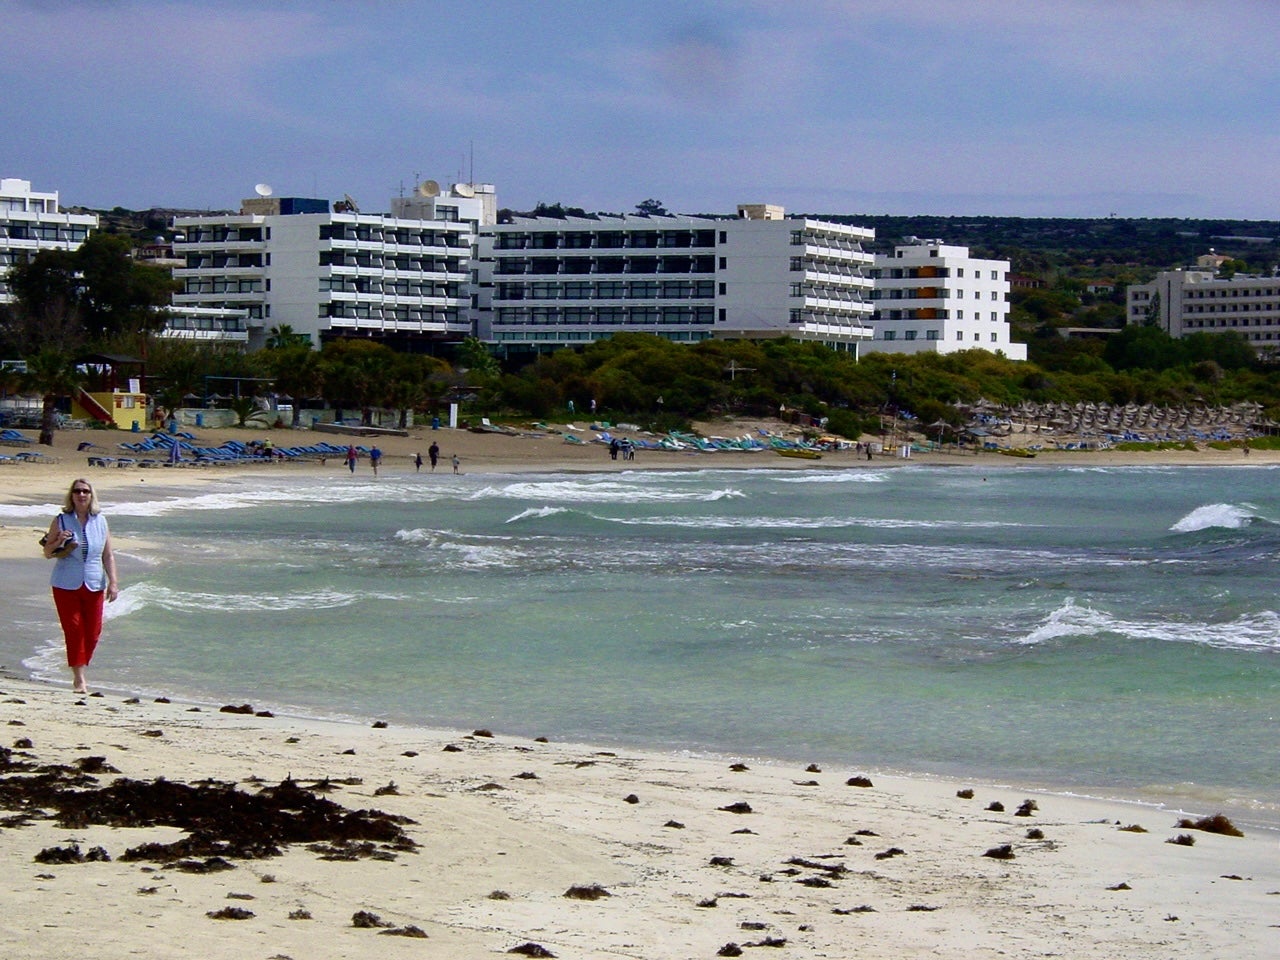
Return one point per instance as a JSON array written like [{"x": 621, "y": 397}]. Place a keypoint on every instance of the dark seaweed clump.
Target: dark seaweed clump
[
  {"x": 1215, "y": 824},
  {"x": 219, "y": 819}
]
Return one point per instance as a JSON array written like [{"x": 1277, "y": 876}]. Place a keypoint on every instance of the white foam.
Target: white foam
[
  {"x": 468, "y": 552},
  {"x": 835, "y": 476},
  {"x": 145, "y": 595},
  {"x": 26, "y": 511},
  {"x": 593, "y": 490},
  {"x": 1256, "y": 631},
  {"x": 808, "y": 523},
  {"x": 1228, "y": 515},
  {"x": 537, "y": 512}
]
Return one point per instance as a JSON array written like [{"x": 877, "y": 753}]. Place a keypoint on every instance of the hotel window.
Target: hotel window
[
  {"x": 959, "y": 314},
  {"x": 977, "y": 337},
  {"x": 909, "y": 335},
  {"x": 724, "y": 263},
  {"x": 994, "y": 295},
  {"x": 994, "y": 316},
  {"x": 932, "y": 335},
  {"x": 724, "y": 288},
  {"x": 959, "y": 271},
  {"x": 959, "y": 335},
  {"x": 891, "y": 335},
  {"x": 994, "y": 275},
  {"x": 993, "y": 338}
]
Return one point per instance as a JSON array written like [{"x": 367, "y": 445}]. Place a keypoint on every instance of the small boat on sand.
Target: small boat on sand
[{"x": 797, "y": 452}]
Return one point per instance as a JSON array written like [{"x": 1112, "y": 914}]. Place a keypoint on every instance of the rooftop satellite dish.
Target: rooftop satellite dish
[
  {"x": 463, "y": 190},
  {"x": 428, "y": 188},
  {"x": 263, "y": 189}
]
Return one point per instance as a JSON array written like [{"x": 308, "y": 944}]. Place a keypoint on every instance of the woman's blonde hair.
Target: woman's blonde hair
[{"x": 68, "y": 504}]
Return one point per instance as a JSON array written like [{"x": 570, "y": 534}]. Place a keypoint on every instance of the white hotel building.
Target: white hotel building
[
  {"x": 30, "y": 221},
  {"x": 403, "y": 280},
  {"x": 557, "y": 282},
  {"x": 933, "y": 297},
  {"x": 1199, "y": 301}
]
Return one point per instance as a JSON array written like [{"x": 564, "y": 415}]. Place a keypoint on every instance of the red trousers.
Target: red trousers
[{"x": 80, "y": 612}]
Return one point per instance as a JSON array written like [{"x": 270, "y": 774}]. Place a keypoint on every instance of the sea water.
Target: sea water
[{"x": 1105, "y": 630}]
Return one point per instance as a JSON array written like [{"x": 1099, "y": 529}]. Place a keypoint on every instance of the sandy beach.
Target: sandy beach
[
  {"x": 494, "y": 844},
  {"x": 683, "y": 856}
]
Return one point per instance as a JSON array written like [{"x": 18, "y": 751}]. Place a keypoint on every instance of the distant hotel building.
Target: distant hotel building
[
  {"x": 403, "y": 278},
  {"x": 558, "y": 282},
  {"x": 931, "y": 297},
  {"x": 1198, "y": 301},
  {"x": 30, "y": 221}
]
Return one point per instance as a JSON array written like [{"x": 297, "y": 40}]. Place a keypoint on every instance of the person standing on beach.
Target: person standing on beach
[
  {"x": 351, "y": 458},
  {"x": 83, "y": 577},
  {"x": 375, "y": 458},
  {"x": 456, "y": 463},
  {"x": 433, "y": 452},
  {"x": 417, "y": 463}
]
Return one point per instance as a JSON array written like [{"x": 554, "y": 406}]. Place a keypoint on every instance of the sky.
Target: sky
[{"x": 1060, "y": 108}]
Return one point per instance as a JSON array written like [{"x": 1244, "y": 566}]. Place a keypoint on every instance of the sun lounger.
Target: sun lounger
[{"x": 13, "y": 438}]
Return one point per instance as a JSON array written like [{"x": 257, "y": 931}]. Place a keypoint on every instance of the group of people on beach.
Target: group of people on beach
[
  {"x": 622, "y": 447},
  {"x": 375, "y": 458}
]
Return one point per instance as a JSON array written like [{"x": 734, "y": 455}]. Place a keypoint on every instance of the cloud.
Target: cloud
[{"x": 211, "y": 55}]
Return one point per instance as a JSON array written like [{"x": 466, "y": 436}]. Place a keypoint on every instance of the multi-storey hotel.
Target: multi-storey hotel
[
  {"x": 1199, "y": 301},
  {"x": 556, "y": 282},
  {"x": 934, "y": 297},
  {"x": 292, "y": 261},
  {"x": 30, "y": 221}
]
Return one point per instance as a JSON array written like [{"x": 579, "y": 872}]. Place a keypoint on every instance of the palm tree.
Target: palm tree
[
  {"x": 52, "y": 373},
  {"x": 283, "y": 335}
]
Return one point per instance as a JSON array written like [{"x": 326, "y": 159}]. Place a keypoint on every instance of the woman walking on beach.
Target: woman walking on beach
[{"x": 83, "y": 577}]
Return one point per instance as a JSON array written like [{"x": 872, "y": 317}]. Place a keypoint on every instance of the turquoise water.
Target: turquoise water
[{"x": 1112, "y": 631}]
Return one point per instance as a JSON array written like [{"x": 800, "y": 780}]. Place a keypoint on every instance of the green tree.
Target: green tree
[
  {"x": 651, "y": 208},
  {"x": 355, "y": 372},
  {"x": 46, "y": 309},
  {"x": 120, "y": 295},
  {"x": 298, "y": 372},
  {"x": 52, "y": 374},
  {"x": 93, "y": 293}
]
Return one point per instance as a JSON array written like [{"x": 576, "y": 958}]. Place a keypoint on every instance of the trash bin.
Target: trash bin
[
  {"x": 199, "y": 419},
  {"x": 435, "y": 423},
  {"x": 135, "y": 428},
  {"x": 173, "y": 425}
]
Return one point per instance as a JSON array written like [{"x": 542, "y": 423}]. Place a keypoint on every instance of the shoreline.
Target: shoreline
[
  {"x": 509, "y": 814},
  {"x": 40, "y": 484},
  {"x": 692, "y": 854}
]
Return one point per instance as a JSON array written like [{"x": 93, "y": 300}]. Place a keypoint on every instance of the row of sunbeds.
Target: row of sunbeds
[{"x": 182, "y": 449}]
